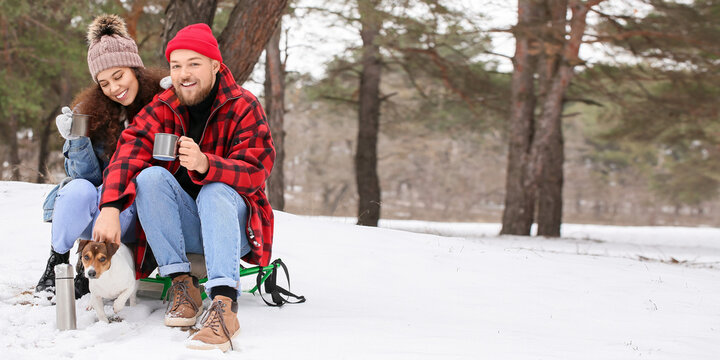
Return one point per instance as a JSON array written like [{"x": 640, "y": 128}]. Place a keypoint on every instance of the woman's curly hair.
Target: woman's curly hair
[{"x": 106, "y": 115}]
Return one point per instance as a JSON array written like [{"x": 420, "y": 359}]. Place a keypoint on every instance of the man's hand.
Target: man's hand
[
  {"x": 191, "y": 157},
  {"x": 107, "y": 226}
]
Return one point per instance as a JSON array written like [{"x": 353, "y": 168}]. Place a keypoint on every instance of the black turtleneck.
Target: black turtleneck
[{"x": 199, "y": 116}]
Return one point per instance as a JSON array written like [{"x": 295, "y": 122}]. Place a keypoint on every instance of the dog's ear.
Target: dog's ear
[
  {"x": 81, "y": 245},
  {"x": 112, "y": 248}
]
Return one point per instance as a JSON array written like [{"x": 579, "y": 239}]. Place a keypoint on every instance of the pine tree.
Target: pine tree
[{"x": 670, "y": 98}]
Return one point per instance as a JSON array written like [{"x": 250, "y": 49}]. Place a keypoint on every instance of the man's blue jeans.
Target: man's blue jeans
[
  {"x": 175, "y": 224},
  {"x": 76, "y": 209}
]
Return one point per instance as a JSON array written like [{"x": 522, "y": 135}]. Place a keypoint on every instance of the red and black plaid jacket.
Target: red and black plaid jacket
[{"x": 236, "y": 141}]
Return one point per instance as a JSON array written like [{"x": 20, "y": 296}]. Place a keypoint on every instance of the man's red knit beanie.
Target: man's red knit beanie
[{"x": 195, "y": 37}]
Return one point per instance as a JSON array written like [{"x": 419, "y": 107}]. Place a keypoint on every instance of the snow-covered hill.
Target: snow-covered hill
[{"x": 598, "y": 293}]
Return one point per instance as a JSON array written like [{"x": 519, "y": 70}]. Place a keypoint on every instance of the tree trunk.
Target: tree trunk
[
  {"x": 550, "y": 200},
  {"x": 181, "y": 13},
  {"x": 548, "y": 185},
  {"x": 251, "y": 25},
  {"x": 132, "y": 17},
  {"x": 60, "y": 85},
  {"x": 519, "y": 202},
  {"x": 9, "y": 131},
  {"x": 333, "y": 200},
  {"x": 275, "y": 108},
  {"x": 47, "y": 128},
  {"x": 543, "y": 175},
  {"x": 547, "y": 150},
  {"x": 368, "y": 184}
]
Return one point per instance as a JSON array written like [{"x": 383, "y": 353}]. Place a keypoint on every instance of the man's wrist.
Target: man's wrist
[
  {"x": 110, "y": 210},
  {"x": 205, "y": 167},
  {"x": 116, "y": 205}
]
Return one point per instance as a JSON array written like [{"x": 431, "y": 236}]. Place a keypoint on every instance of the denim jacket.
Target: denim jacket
[{"x": 82, "y": 161}]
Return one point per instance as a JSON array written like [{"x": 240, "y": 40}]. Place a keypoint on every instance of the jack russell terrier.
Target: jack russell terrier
[{"x": 111, "y": 272}]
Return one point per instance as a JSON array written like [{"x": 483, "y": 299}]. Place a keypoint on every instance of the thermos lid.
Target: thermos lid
[{"x": 64, "y": 271}]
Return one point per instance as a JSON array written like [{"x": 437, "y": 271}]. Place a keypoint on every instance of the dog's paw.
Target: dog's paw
[{"x": 117, "y": 307}]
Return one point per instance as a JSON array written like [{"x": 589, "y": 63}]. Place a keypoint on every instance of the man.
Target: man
[{"x": 211, "y": 199}]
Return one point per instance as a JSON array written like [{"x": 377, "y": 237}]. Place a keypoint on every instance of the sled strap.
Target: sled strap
[{"x": 276, "y": 292}]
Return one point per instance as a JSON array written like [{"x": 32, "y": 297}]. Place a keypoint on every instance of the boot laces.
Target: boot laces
[
  {"x": 214, "y": 319},
  {"x": 178, "y": 295}
]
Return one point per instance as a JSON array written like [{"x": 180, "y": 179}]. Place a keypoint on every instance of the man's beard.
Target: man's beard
[{"x": 200, "y": 96}]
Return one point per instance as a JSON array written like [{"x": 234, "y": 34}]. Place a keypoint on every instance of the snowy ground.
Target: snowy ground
[{"x": 601, "y": 292}]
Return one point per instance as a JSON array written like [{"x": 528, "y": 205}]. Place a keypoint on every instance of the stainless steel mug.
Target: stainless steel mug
[
  {"x": 65, "y": 297},
  {"x": 80, "y": 125},
  {"x": 165, "y": 147}
]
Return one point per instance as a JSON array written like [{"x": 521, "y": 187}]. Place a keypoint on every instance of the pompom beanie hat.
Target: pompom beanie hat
[
  {"x": 110, "y": 45},
  {"x": 195, "y": 37}
]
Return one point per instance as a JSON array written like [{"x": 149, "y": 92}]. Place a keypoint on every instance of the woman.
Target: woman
[{"x": 123, "y": 87}]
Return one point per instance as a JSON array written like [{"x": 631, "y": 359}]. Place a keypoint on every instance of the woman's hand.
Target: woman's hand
[
  {"x": 191, "y": 157},
  {"x": 107, "y": 226},
  {"x": 64, "y": 123}
]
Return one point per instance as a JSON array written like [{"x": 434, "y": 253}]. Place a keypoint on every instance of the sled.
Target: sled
[
  {"x": 265, "y": 275},
  {"x": 265, "y": 272}
]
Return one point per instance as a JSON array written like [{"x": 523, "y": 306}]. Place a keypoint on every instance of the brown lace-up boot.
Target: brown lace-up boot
[
  {"x": 220, "y": 326},
  {"x": 185, "y": 302}
]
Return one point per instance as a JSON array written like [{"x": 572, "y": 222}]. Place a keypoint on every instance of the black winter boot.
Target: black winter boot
[
  {"x": 82, "y": 284},
  {"x": 47, "y": 281}
]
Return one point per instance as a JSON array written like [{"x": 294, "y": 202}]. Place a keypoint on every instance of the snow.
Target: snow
[{"x": 380, "y": 293}]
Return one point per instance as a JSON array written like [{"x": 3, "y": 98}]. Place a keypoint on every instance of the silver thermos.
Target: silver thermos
[{"x": 65, "y": 297}]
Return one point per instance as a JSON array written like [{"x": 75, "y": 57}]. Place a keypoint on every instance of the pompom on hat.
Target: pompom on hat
[
  {"x": 110, "y": 45},
  {"x": 195, "y": 37}
]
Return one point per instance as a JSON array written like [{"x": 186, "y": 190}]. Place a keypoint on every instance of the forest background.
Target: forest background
[{"x": 580, "y": 111}]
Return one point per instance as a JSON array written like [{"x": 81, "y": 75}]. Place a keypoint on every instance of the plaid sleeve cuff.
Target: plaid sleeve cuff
[
  {"x": 213, "y": 173},
  {"x": 117, "y": 204}
]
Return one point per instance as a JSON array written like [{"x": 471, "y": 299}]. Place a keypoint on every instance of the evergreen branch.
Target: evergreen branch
[
  {"x": 331, "y": 12},
  {"x": 591, "y": 3},
  {"x": 341, "y": 99},
  {"x": 499, "y": 30},
  {"x": 453, "y": 49},
  {"x": 612, "y": 18},
  {"x": 148, "y": 37},
  {"x": 45, "y": 27},
  {"x": 287, "y": 53},
  {"x": 10, "y": 50},
  {"x": 349, "y": 67},
  {"x": 584, "y": 101},
  {"x": 388, "y": 96},
  {"x": 571, "y": 114},
  {"x": 498, "y": 54},
  {"x": 444, "y": 70},
  {"x": 410, "y": 76},
  {"x": 648, "y": 34}
]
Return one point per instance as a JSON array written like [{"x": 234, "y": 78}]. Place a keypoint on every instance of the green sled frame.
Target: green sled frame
[{"x": 267, "y": 271}]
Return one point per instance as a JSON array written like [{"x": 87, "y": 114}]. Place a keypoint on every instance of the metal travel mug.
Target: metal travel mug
[
  {"x": 65, "y": 297},
  {"x": 165, "y": 147},
  {"x": 79, "y": 125}
]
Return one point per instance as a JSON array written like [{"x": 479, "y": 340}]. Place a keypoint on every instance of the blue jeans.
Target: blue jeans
[
  {"x": 76, "y": 209},
  {"x": 175, "y": 224}
]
